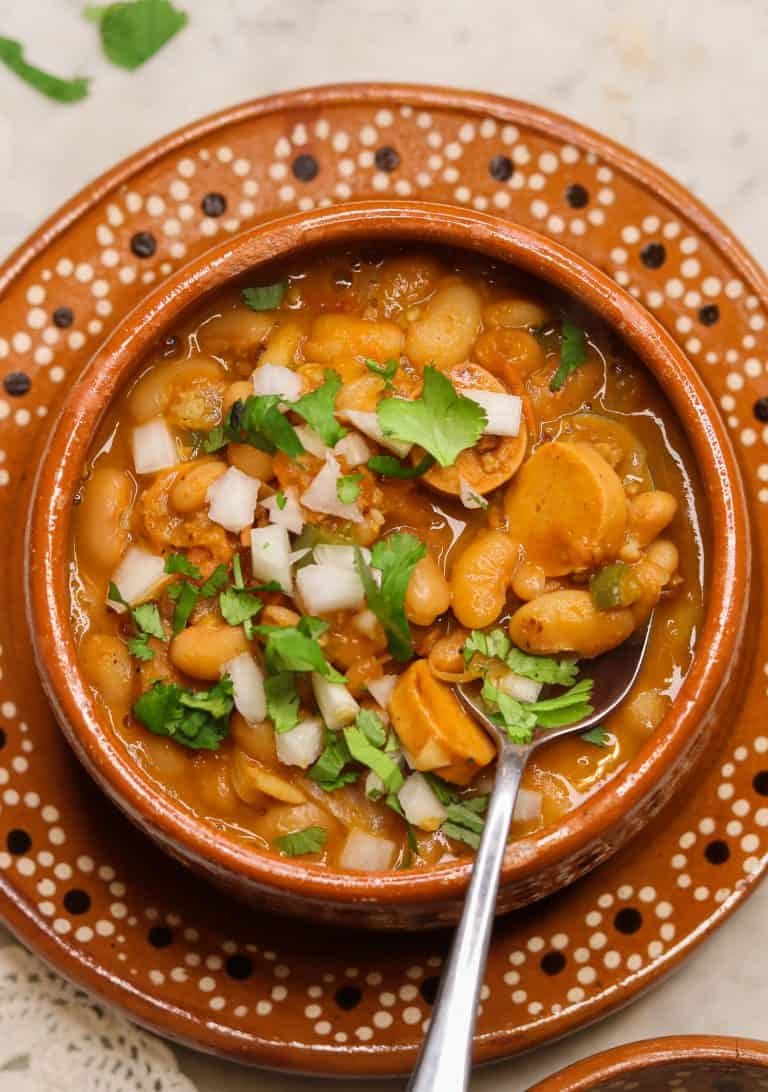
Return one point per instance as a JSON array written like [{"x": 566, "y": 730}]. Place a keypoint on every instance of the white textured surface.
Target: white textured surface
[{"x": 682, "y": 84}]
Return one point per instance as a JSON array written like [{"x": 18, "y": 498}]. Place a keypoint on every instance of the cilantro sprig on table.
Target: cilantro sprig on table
[
  {"x": 53, "y": 87},
  {"x": 132, "y": 32},
  {"x": 395, "y": 557},
  {"x": 440, "y": 420},
  {"x": 573, "y": 353}
]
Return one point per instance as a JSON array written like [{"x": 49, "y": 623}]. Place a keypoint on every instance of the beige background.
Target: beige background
[{"x": 684, "y": 84}]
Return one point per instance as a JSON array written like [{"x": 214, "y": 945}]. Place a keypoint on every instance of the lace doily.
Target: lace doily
[{"x": 55, "y": 1038}]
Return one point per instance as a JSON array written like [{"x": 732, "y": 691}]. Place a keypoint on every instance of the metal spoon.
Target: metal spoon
[{"x": 445, "y": 1062}]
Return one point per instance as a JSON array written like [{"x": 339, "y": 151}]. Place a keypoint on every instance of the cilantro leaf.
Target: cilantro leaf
[
  {"x": 53, "y": 87},
  {"x": 147, "y": 619},
  {"x": 597, "y": 736},
  {"x": 258, "y": 421},
  {"x": 495, "y": 645},
  {"x": 282, "y": 700},
  {"x": 348, "y": 488},
  {"x": 195, "y": 719},
  {"x": 388, "y": 466},
  {"x": 186, "y": 596},
  {"x": 215, "y": 440},
  {"x": 461, "y": 834},
  {"x": 139, "y": 647},
  {"x": 178, "y": 563},
  {"x": 362, "y": 750},
  {"x": 265, "y": 297},
  {"x": 318, "y": 408},
  {"x": 513, "y": 715},
  {"x": 465, "y": 817},
  {"x": 281, "y": 499},
  {"x": 395, "y": 557},
  {"x": 301, "y": 842},
  {"x": 329, "y": 770},
  {"x": 215, "y": 581},
  {"x": 132, "y": 32},
  {"x": 238, "y": 606},
  {"x": 385, "y": 371},
  {"x": 295, "y": 648},
  {"x": 573, "y": 353},
  {"x": 566, "y": 708},
  {"x": 442, "y": 421}
]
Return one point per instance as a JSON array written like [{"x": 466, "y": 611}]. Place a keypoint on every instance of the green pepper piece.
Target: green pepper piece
[{"x": 614, "y": 586}]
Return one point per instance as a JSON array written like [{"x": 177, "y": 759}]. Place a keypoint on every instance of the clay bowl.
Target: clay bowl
[
  {"x": 535, "y": 866},
  {"x": 691, "y": 1063}
]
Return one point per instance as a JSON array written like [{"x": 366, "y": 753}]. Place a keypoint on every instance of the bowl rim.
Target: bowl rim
[
  {"x": 624, "y": 1060},
  {"x": 60, "y": 471}
]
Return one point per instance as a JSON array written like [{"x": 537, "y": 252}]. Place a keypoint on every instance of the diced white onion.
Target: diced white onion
[
  {"x": 326, "y": 588},
  {"x": 311, "y": 442},
  {"x": 365, "y": 852},
  {"x": 367, "y": 623},
  {"x": 247, "y": 687},
  {"x": 321, "y": 495},
  {"x": 421, "y": 806},
  {"x": 503, "y": 411},
  {"x": 289, "y": 516},
  {"x": 337, "y": 706},
  {"x": 153, "y": 446},
  {"x": 469, "y": 497},
  {"x": 303, "y": 745},
  {"x": 341, "y": 556},
  {"x": 297, "y": 555},
  {"x": 276, "y": 379},
  {"x": 528, "y": 806},
  {"x": 271, "y": 556},
  {"x": 232, "y": 499},
  {"x": 368, "y": 423},
  {"x": 381, "y": 689},
  {"x": 431, "y": 757},
  {"x": 518, "y": 687},
  {"x": 137, "y": 576},
  {"x": 353, "y": 449}
]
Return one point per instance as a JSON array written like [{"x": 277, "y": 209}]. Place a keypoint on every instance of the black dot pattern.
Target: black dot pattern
[
  {"x": 239, "y": 967},
  {"x": 387, "y": 158},
  {"x": 77, "y": 901},
  {"x": 214, "y": 204},
  {"x": 305, "y": 167},
  {"x": 501, "y": 168},
  {"x": 709, "y": 314},
  {"x": 717, "y": 852},
  {"x": 17, "y": 384},
  {"x": 577, "y": 196},
  {"x": 552, "y": 963},
  {"x": 160, "y": 936},
  {"x": 628, "y": 920},
  {"x": 63, "y": 317},
  {"x": 18, "y": 842},
  {"x": 760, "y": 783},
  {"x": 143, "y": 244},
  {"x": 3, "y": 739},
  {"x": 760, "y": 409},
  {"x": 428, "y": 989},
  {"x": 348, "y": 997},
  {"x": 653, "y": 255}
]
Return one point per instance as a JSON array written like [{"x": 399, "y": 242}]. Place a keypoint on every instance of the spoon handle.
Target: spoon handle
[{"x": 445, "y": 1061}]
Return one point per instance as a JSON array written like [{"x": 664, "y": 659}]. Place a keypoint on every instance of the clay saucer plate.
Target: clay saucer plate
[
  {"x": 77, "y": 883},
  {"x": 692, "y": 1063}
]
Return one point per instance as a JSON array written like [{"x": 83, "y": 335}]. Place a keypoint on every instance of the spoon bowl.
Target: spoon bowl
[{"x": 445, "y": 1061}]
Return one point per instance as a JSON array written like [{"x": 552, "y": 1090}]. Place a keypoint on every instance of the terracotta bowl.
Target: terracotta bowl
[
  {"x": 691, "y": 1063},
  {"x": 534, "y": 866}
]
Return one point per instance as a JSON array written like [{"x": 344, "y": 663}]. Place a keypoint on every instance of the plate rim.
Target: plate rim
[{"x": 75, "y": 963}]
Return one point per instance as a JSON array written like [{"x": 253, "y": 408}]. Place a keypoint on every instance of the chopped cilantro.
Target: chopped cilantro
[
  {"x": 139, "y": 647},
  {"x": 215, "y": 440},
  {"x": 281, "y": 499},
  {"x": 597, "y": 736},
  {"x": 348, "y": 488},
  {"x": 178, "y": 563},
  {"x": 318, "y": 408},
  {"x": 258, "y": 421},
  {"x": 395, "y": 557},
  {"x": 465, "y": 817},
  {"x": 372, "y": 727},
  {"x": 195, "y": 719},
  {"x": 515, "y": 716},
  {"x": 495, "y": 645},
  {"x": 362, "y": 750},
  {"x": 329, "y": 771},
  {"x": 385, "y": 371},
  {"x": 461, "y": 834},
  {"x": 301, "y": 842},
  {"x": 573, "y": 353},
  {"x": 238, "y": 607},
  {"x": 132, "y": 31},
  {"x": 566, "y": 708},
  {"x": 53, "y": 87},
  {"x": 215, "y": 581},
  {"x": 146, "y": 618},
  {"x": 282, "y": 700},
  {"x": 295, "y": 648},
  {"x": 185, "y": 596},
  {"x": 265, "y": 297},
  {"x": 390, "y": 467},
  {"x": 442, "y": 421}
]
